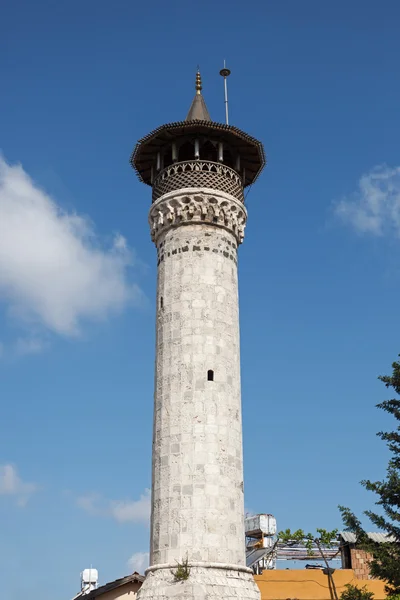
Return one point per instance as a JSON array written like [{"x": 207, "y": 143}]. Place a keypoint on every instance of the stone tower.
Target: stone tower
[{"x": 198, "y": 170}]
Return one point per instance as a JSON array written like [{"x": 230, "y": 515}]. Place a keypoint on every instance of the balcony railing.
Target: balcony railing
[{"x": 198, "y": 173}]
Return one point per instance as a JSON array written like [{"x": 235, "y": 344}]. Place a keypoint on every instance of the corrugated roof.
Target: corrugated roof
[
  {"x": 134, "y": 578},
  {"x": 379, "y": 538}
]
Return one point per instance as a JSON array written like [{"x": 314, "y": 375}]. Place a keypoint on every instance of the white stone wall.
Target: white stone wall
[
  {"x": 204, "y": 583},
  {"x": 197, "y": 504}
]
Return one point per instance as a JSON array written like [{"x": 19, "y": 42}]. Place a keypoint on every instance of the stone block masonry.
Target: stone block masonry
[
  {"x": 205, "y": 582},
  {"x": 198, "y": 471},
  {"x": 197, "y": 487}
]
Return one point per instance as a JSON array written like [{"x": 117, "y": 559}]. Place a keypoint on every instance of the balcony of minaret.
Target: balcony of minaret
[{"x": 197, "y": 163}]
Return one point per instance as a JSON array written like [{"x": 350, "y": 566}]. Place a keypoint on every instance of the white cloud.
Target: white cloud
[
  {"x": 139, "y": 562},
  {"x": 12, "y": 485},
  {"x": 54, "y": 272},
  {"x": 133, "y": 511},
  {"x": 138, "y": 510},
  {"x": 31, "y": 345},
  {"x": 375, "y": 207},
  {"x": 90, "y": 503}
]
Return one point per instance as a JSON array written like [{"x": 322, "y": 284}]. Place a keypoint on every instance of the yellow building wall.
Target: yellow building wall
[
  {"x": 310, "y": 584},
  {"x": 126, "y": 592}
]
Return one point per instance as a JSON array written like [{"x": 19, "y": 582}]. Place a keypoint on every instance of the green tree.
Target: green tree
[
  {"x": 352, "y": 592},
  {"x": 308, "y": 540},
  {"x": 386, "y": 556},
  {"x": 324, "y": 538}
]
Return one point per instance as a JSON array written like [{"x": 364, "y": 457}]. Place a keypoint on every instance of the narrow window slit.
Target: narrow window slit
[
  {"x": 210, "y": 375},
  {"x": 161, "y": 302}
]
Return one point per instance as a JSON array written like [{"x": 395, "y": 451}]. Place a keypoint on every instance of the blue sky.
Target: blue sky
[{"x": 318, "y": 83}]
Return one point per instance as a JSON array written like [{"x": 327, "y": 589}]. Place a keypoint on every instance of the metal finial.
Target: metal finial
[{"x": 199, "y": 87}]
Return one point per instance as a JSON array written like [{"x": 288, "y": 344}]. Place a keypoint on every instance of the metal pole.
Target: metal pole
[
  {"x": 226, "y": 101},
  {"x": 225, "y": 73}
]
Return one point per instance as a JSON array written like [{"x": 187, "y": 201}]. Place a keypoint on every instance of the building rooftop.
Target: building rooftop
[
  {"x": 250, "y": 149},
  {"x": 198, "y": 123},
  {"x": 379, "y": 538},
  {"x": 134, "y": 578}
]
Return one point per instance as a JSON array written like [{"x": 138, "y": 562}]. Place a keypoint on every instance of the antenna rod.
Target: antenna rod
[
  {"x": 226, "y": 101},
  {"x": 225, "y": 73}
]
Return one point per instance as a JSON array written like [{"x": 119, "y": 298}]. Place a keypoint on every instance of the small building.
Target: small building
[
  {"x": 125, "y": 588},
  {"x": 354, "y": 557}
]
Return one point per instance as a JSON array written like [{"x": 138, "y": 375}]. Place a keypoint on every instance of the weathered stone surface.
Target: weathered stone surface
[
  {"x": 194, "y": 205},
  {"x": 197, "y": 487},
  {"x": 202, "y": 584}
]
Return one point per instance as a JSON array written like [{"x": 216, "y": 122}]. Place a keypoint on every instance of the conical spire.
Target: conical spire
[{"x": 198, "y": 110}]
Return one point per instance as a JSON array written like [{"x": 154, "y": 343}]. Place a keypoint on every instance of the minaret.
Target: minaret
[{"x": 198, "y": 170}]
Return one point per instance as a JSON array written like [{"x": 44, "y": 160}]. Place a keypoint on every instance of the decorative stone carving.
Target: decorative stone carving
[
  {"x": 198, "y": 173},
  {"x": 196, "y": 205},
  {"x": 212, "y": 581}
]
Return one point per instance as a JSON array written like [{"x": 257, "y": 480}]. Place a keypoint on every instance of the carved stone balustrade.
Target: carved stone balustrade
[
  {"x": 197, "y": 206},
  {"x": 201, "y": 174}
]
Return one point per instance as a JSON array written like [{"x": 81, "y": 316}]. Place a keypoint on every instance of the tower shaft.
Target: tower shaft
[
  {"x": 197, "y": 484},
  {"x": 197, "y": 451}
]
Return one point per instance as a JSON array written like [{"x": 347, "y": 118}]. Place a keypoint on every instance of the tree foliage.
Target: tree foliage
[
  {"x": 324, "y": 538},
  {"x": 386, "y": 556},
  {"x": 352, "y": 592}
]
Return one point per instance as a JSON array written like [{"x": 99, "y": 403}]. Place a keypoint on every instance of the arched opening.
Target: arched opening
[
  {"x": 186, "y": 151},
  {"x": 229, "y": 158},
  {"x": 210, "y": 375},
  {"x": 209, "y": 151},
  {"x": 167, "y": 156}
]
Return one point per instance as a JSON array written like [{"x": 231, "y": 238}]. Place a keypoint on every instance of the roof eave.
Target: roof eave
[{"x": 187, "y": 125}]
